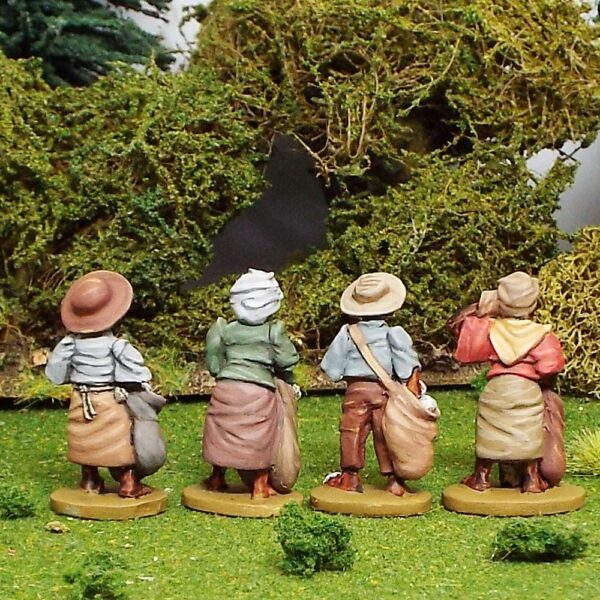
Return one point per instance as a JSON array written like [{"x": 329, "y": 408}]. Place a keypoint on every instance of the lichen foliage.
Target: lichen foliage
[
  {"x": 136, "y": 173},
  {"x": 449, "y": 232},
  {"x": 365, "y": 81},
  {"x": 570, "y": 301}
]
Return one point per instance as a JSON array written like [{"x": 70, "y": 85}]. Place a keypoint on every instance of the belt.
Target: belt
[{"x": 89, "y": 412}]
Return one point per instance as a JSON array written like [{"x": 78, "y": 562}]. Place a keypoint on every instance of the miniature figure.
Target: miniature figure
[
  {"x": 113, "y": 411},
  {"x": 519, "y": 418},
  {"x": 368, "y": 355},
  {"x": 245, "y": 423}
]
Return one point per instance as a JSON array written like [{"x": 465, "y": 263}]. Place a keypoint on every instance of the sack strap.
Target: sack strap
[{"x": 361, "y": 343}]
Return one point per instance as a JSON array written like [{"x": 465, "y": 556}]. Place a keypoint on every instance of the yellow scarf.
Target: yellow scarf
[{"x": 512, "y": 339}]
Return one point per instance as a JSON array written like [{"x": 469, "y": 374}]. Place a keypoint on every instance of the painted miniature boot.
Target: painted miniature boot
[
  {"x": 216, "y": 481},
  {"x": 261, "y": 487},
  {"x": 532, "y": 481},
  {"x": 347, "y": 480},
  {"x": 395, "y": 486},
  {"x": 130, "y": 486},
  {"x": 91, "y": 480},
  {"x": 480, "y": 479}
]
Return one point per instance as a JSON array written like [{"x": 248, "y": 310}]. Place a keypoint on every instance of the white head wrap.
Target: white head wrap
[{"x": 255, "y": 296}]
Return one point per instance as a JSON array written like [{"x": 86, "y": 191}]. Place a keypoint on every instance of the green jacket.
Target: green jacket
[{"x": 253, "y": 353}]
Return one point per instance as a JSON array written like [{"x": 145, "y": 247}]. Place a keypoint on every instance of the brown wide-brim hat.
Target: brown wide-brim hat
[
  {"x": 95, "y": 302},
  {"x": 373, "y": 294}
]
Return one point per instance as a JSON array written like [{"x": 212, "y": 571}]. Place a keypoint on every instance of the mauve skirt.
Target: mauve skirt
[{"x": 240, "y": 430}]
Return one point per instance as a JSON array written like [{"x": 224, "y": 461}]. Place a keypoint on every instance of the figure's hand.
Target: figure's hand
[
  {"x": 297, "y": 391},
  {"x": 455, "y": 323}
]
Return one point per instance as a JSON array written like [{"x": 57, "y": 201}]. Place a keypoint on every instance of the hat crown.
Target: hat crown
[
  {"x": 90, "y": 296},
  {"x": 370, "y": 288}
]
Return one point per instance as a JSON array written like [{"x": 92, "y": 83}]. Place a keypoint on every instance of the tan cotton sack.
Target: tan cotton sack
[
  {"x": 409, "y": 431},
  {"x": 286, "y": 465},
  {"x": 408, "y": 428}
]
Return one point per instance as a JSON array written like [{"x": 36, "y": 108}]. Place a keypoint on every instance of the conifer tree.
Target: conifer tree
[{"x": 78, "y": 40}]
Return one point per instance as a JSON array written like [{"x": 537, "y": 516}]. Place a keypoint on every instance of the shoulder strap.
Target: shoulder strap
[{"x": 359, "y": 339}]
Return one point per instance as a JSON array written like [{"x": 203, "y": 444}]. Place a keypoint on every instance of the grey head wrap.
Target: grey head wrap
[{"x": 255, "y": 296}]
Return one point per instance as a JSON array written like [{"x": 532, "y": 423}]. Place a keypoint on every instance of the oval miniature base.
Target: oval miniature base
[
  {"x": 503, "y": 502},
  {"x": 74, "y": 502},
  {"x": 372, "y": 502},
  {"x": 235, "y": 502}
]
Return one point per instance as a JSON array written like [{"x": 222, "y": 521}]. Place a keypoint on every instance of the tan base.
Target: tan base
[
  {"x": 502, "y": 502},
  {"x": 373, "y": 502},
  {"x": 74, "y": 502},
  {"x": 235, "y": 502}
]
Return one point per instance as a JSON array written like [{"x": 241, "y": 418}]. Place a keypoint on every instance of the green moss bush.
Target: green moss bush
[
  {"x": 363, "y": 82},
  {"x": 570, "y": 302},
  {"x": 313, "y": 542},
  {"x": 136, "y": 173},
  {"x": 100, "y": 574},
  {"x": 15, "y": 502},
  {"x": 537, "y": 541}
]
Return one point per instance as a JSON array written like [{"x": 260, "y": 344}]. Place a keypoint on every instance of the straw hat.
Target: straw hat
[
  {"x": 517, "y": 294},
  {"x": 95, "y": 302},
  {"x": 373, "y": 294}
]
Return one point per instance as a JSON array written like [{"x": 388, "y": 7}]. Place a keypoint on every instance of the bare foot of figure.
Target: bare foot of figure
[
  {"x": 91, "y": 480},
  {"x": 130, "y": 486},
  {"x": 480, "y": 479},
  {"x": 349, "y": 481},
  {"x": 395, "y": 486},
  {"x": 261, "y": 487},
  {"x": 532, "y": 481},
  {"x": 216, "y": 481}
]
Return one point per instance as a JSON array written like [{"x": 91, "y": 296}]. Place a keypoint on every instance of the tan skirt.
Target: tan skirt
[
  {"x": 510, "y": 419},
  {"x": 105, "y": 441},
  {"x": 241, "y": 426}
]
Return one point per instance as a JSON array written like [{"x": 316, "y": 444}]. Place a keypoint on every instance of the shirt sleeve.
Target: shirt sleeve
[
  {"x": 129, "y": 364},
  {"x": 474, "y": 341},
  {"x": 548, "y": 356},
  {"x": 334, "y": 361},
  {"x": 59, "y": 362},
  {"x": 285, "y": 353},
  {"x": 404, "y": 357},
  {"x": 214, "y": 355}
]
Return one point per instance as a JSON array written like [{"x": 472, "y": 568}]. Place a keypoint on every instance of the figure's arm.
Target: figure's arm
[
  {"x": 129, "y": 364},
  {"x": 549, "y": 359},
  {"x": 215, "y": 348},
  {"x": 405, "y": 359},
  {"x": 474, "y": 344},
  {"x": 285, "y": 355},
  {"x": 59, "y": 361},
  {"x": 334, "y": 361}
]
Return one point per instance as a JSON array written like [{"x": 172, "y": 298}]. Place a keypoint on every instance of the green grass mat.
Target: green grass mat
[{"x": 183, "y": 554}]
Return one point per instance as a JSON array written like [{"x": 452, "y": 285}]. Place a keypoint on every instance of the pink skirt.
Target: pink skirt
[{"x": 241, "y": 426}]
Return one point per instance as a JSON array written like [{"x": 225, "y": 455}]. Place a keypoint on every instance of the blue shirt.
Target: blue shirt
[
  {"x": 98, "y": 360},
  {"x": 391, "y": 346}
]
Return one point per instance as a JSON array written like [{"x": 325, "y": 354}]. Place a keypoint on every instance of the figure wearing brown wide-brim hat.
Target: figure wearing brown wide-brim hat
[
  {"x": 369, "y": 299},
  {"x": 112, "y": 415}
]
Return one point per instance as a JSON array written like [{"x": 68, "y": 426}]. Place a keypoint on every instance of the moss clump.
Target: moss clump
[
  {"x": 361, "y": 83},
  {"x": 313, "y": 542},
  {"x": 570, "y": 302},
  {"x": 584, "y": 453},
  {"x": 418, "y": 115},
  {"x": 537, "y": 541},
  {"x": 99, "y": 575},
  {"x": 15, "y": 503},
  {"x": 136, "y": 173}
]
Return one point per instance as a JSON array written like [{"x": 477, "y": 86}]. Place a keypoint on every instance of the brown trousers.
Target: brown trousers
[{"x": 362, "y": 412}]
